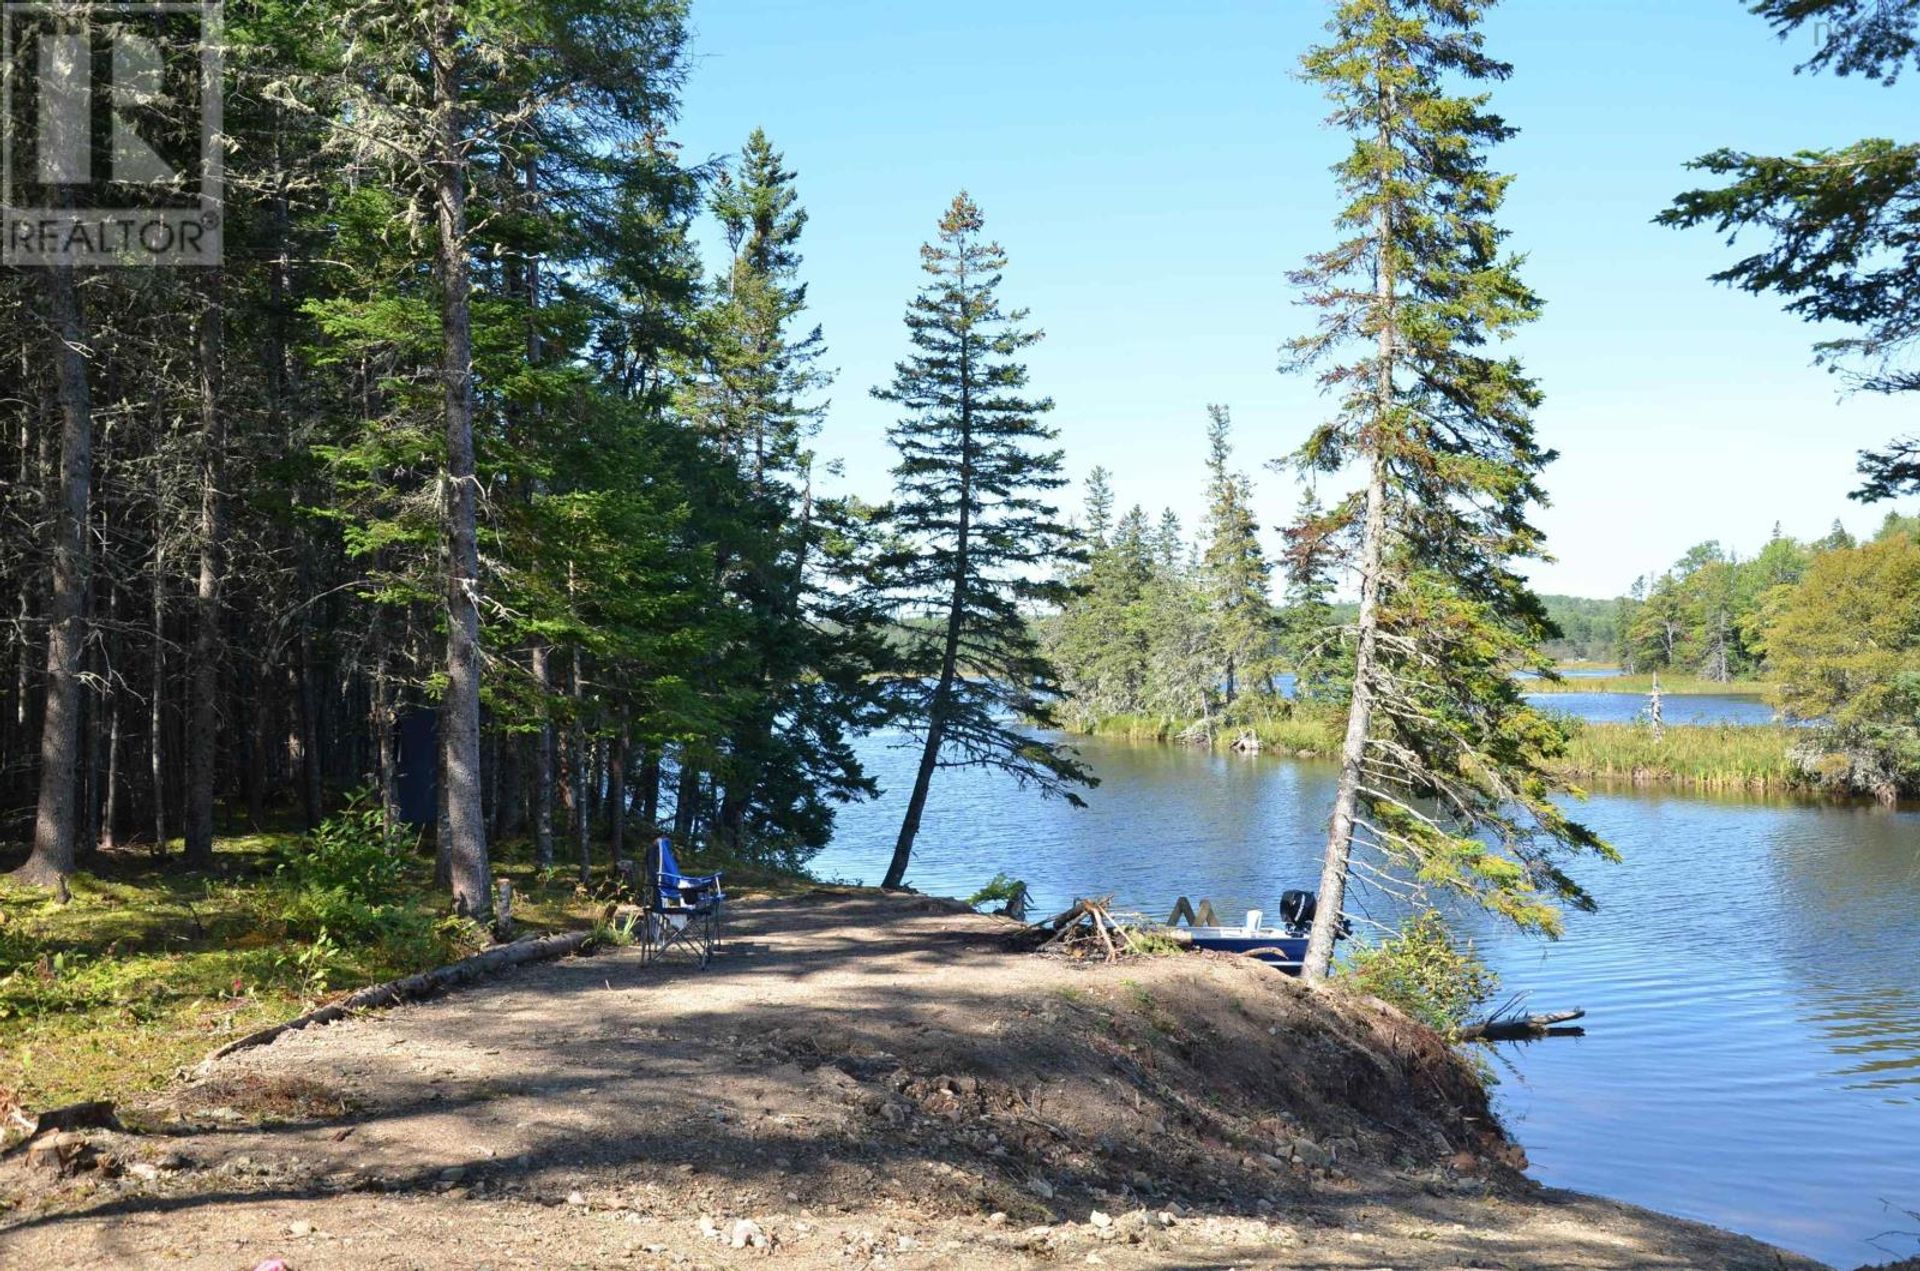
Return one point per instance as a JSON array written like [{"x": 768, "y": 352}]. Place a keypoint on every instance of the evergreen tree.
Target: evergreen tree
[
  {"x": 979, "y": 539},
  {"x": 1233, "y": 567},
  {"x": 1309, "y": 636},
  {"x": 1099, "y": 507},
  {"x": 1170, "y": 542},
  {"x": 1443, "y": 767},
  {"x": 1842, "y": 247},
  {"x": 803, "y": 664},
  {"x": 1097, "y": 642}
]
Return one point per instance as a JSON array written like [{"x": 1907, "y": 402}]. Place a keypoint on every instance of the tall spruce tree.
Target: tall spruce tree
[
  {"x": 1233, "y": 567},
  {"x": 1443, "y": 769},
  {"x": 980, "y": 542}
]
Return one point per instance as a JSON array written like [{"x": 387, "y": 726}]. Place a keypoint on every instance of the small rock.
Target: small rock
[
  {"x": 904, "y": 1243},
  {"x": 1269, "y": 1160},
  {"x": 1040, "y": 1187},
  {"x": 144, "y": 1170},
  {"x": 1100, "y": 1220},
  {"x": 1095, "y": 1259},
  {"x": 577, "y": 1199},
  {"x": 1142, "y": 1180},
  {"x": 998, "y": 1218},
  {"x": 747, "y": 1232},
  {"x": 1311, "y": 1154},
  {"x": 452, "y": 1174},
  {"x": 63, "y": 1153},
  {"x": 299, "y": 1230},
  {"x": 709, "y": 1228}
]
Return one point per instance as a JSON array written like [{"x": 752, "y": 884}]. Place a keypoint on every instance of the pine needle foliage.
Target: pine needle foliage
[
  {"x": 1445, "y": 770},
  {"x": 981, "y": 544}
]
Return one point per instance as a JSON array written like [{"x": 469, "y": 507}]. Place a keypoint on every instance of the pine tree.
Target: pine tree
[
  {"x": 1843, "y": 250},
  {"x": 980, "y": 541},
  {"x": 1099, "y": 507},
  {"x": 1443, "y": 767},
  {"x": 1233, "y": 568},
  {"x": 1308, "y": 634},
  {"x": 1170, "y": 542},
  {"x": 1098, "y": 642}
]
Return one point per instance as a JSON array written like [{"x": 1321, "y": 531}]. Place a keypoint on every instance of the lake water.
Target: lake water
[
  {"x": 1624, "y": 708},
  {"x": 1753, "y": 1048}
]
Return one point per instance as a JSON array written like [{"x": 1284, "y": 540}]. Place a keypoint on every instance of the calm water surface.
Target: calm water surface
[
  {"x": 1753, "y": 1055},
  {"x": 1624, "y": 708}
]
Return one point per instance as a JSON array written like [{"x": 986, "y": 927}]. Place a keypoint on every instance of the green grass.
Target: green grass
[
  {"x": 1718, "y": 757},
  {"x": 149, "y": 967},
  {"x": 1301, "y": 734},
  {"x": 1714, "y": 757},
  {"x": 1674, "y": 685}
]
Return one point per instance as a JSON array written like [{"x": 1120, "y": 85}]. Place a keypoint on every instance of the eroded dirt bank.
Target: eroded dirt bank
[{"x": 859, "y": 1081}]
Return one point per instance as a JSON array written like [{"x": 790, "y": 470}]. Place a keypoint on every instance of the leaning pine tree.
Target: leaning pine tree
[
  {"x": 979, "y": 542},
  {"x": 1444, "y": 780}
]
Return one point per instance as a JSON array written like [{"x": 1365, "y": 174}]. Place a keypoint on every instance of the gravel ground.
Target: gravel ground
[{"x": 858, "y": 1081}]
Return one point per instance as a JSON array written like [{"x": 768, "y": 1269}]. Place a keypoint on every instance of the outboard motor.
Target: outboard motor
[{"x": 1296, "y": 911}]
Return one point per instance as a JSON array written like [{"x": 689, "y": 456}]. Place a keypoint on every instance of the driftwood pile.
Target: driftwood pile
[{"x": 1086, "y": 930}]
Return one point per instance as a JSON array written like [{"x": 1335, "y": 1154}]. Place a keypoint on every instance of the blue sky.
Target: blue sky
[{"x": 1155, "y": 170}]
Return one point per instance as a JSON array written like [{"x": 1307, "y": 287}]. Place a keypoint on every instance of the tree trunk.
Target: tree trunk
[
  {"x": 312, "y": 789},
  {"x": 157, "y": 696},
  {"x": 202, "y": 737},
  {"x": 617, "y": 797},
  {"x": 579, "y": 771},
  {"x": 650, "y": 789},
  {"x": 1318, "y": 962},
  {"x": 466, "y": 826},
  {"x": 543, "y": 762},
  {"x": 686, "y": 800},
  {"x": 115, "y": 801},
  {"x": 950, "y": 652},
  {"x": 53, "y": 826}
]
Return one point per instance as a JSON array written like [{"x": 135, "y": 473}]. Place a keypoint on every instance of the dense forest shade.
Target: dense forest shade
[{"x": 464, "y": 429}]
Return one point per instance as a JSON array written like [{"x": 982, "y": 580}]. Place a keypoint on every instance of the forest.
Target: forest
[
  {"x": 465, "y": 471},
  {"x": 462, "y": 441}
]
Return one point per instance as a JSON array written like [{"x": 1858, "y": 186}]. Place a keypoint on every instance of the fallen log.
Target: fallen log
[
  {"x": 1523, "y": 1027},
  {"x": 413, "y": 988}
]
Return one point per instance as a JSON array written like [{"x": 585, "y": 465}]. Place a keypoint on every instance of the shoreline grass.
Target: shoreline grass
[
  {"x": 1750, "y": 757},
  {"x": 1302, "y": 736},
  {"x": 1725, "y": 757}
]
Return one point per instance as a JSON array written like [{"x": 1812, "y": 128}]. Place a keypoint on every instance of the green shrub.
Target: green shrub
[
  {"x": 1009, "y": 893},
  {"x": 1426, "y": 972},
  {"x": 345, "y": 878}
]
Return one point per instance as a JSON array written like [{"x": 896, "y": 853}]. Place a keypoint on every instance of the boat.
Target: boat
[{"x": 1284, "y": 947}]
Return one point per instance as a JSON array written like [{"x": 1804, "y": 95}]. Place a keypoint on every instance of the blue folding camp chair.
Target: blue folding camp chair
[{"x": 685, "y": 909}]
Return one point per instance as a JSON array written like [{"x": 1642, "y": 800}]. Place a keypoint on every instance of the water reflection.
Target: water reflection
[{"x": 1753, "y": 1057}]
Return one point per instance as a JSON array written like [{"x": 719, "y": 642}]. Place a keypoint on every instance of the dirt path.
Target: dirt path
[{"x": 859, "y": 1081}]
